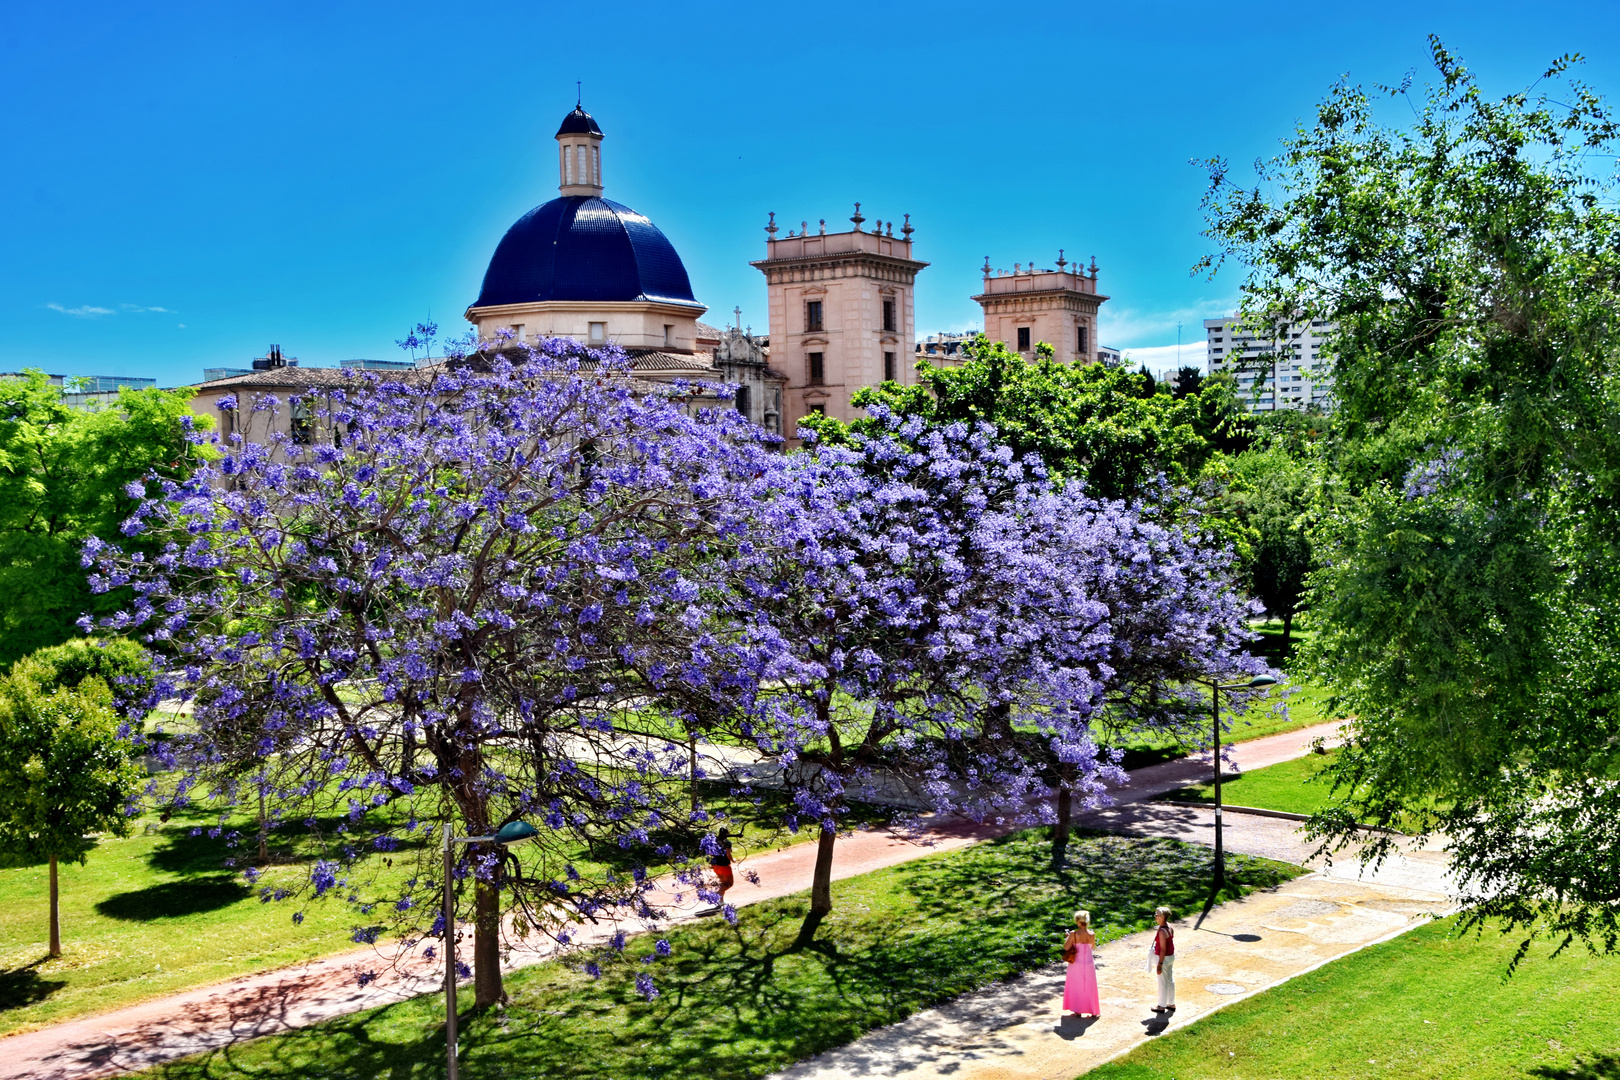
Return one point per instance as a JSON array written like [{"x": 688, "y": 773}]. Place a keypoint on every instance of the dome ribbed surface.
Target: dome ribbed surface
[
  {"x": 579, "y": 122},
  {"x": 581, "y": 247}
]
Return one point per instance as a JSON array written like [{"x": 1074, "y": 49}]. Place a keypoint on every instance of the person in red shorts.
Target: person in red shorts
[{"x": 721, "y": 863}]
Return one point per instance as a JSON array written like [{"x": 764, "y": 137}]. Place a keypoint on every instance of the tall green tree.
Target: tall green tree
[
  {"x": 64, "y": 476},
  {"x": 65, "y": 775},
  {"x": 1104, "y": 425},
  {"x": 1274, "y": 494},
  {"x": 1468, "y": 611}
]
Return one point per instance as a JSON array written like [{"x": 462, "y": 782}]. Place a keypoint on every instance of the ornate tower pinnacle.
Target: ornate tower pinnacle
[{"x": 579, "y": 154}]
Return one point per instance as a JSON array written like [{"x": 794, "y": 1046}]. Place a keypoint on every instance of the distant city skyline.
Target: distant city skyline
[{"x": 191, "y": 184}]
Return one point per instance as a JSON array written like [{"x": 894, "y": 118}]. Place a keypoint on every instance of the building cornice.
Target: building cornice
[
  {"x": 667, "y": 307},
  {"x": 986, "y": 299},
  {"x": 841, "y": 264}
]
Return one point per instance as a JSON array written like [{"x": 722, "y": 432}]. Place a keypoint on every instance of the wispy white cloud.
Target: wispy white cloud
[
  {"x": 1132, "y": 327},
  {"x": 1162, "y": 358},
  {"x": 91, "y": 311},
  {"x": 84, "y": 311}
]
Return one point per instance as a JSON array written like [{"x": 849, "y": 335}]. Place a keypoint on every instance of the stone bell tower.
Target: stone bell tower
[
  {"x": 1029, "y": 306},
  {"x": 841, "y": 313},
  {"x": 579, "y": 154}
]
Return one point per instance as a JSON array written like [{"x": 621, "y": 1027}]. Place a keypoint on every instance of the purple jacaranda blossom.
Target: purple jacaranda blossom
[
  {"x": 458, "y": 603},
  {"x": 433, "y": 608}
]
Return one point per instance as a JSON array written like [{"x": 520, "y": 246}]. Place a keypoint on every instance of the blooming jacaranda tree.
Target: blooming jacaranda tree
[
  {"x": 950, "y": 606},
  {"x": 449, "y": 609}
]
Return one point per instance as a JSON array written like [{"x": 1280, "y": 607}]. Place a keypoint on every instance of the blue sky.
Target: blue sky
[{"x": 185, "y": 184}]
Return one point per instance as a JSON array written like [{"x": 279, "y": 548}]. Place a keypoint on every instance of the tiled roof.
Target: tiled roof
[
  {"x": 293, "y": 376},
  {"x": 301, "y": 378},
  {"x": 705, "y": 332},
  {"x": 655, "y": 360}
]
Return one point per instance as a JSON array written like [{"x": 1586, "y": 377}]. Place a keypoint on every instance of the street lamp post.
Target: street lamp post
[
  {"x": 513, "y": 832},
  {"x": 1215, "y": 688}
]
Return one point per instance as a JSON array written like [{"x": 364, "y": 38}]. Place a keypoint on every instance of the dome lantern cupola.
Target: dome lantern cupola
[{"x": 579, "y": 154}]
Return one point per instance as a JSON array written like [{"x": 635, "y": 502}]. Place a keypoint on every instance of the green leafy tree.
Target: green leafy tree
[
  {"x": 1469, "y": 251},
  {"x": 1187, "y": 382},
  {"x": 122, "y": 664},
  {"x": 64, "y": 475},
  {"x": 65, "y": 775},
  {"x": 1091, "y": 421},
  {"x": 1274, "y": 495}
]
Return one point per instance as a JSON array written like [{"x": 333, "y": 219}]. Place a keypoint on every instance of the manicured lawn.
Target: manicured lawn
[
  {"x": 1286, "y": 786},
  {"x": 147, "y": 915},
  {"x": 1423, "y": 1006},
  {"x": 1304, "y": 710},
  {"x": 157, "y": 913},
  {"x": 736, "y": 1002}
]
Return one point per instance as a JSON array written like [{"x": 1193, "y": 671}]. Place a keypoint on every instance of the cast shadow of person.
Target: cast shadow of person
[{"x": 1070, "y": 1027}]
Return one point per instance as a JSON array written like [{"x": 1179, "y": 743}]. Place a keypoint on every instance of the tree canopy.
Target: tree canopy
[
  {"x": 65, "y": 474},
  {"x": 516, "y": 588},
  {"x": 1469, "y": 251},
  {"x": 66, "y": 771},
  {"x": 1102, "y": 424}
]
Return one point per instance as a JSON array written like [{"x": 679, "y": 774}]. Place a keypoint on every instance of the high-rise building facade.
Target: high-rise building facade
[
  {"x": 841, "y": 313},
  {"x": 1275, "y": 367}
]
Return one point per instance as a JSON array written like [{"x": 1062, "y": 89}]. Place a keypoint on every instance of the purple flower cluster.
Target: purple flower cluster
[{"x": 515, "y": 588}]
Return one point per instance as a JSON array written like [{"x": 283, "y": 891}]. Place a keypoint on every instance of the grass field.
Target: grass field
[
  {"x": 1425, "y": 1006},
  {"x": 1305, "y": 708},
  {"x": 157, "y": 912},
  {"x": 736, "y": 1002},
  {"x": 1288, "y": 786}
]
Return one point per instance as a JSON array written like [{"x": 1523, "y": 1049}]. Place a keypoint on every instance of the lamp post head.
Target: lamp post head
[
  {"x": 515, "y": 832},
  {"x": 1262, "y": 680}
]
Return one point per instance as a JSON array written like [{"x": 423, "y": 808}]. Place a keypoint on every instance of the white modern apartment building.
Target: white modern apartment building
[{"x": 1278, "y": 368}]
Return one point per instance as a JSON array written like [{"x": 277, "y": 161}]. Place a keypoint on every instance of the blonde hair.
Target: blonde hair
[
  {"x": 1162, "y": 911},
  {"x": 1083, "y": 918}
]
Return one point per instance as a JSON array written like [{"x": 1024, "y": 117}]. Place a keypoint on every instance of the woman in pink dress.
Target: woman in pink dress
[{"x": 1080, "y": 987}]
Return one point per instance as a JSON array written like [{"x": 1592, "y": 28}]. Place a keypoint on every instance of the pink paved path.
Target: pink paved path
[{"x": 140, "y": 1036}]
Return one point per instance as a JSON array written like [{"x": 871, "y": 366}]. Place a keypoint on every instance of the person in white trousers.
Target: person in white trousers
[{"x": 1164, "y": 960}]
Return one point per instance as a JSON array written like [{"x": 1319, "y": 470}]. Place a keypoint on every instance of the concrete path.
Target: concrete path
[
  {"x": 211, "y": 1017},
  {"x": 1016, "y": 1031}
]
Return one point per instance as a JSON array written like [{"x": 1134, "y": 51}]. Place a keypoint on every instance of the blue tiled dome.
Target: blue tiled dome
[{"x": 581, "y": 247}]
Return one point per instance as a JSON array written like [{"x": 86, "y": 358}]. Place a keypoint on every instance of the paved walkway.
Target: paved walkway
[
  {"x": 143, "y": 1035},
  {"x": 1016, "y": 1031}
]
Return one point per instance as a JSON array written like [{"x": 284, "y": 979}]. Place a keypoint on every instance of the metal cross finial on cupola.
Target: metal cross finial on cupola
[{"x": 579, "y": 94}]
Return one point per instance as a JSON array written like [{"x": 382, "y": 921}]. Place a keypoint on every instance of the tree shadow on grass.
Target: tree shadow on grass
[
  {"x": 23, "y": 986},
  {"x": 174, "y": 899},
  {"x": 1602, "y": 1067},
  {"x": 740, "y": 1002},
  {"x": 184, "y": 853},
  {"x": 343, "y": 1048}
]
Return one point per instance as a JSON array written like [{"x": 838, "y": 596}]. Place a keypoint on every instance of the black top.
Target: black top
[{"x": 579, "y": 122}]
